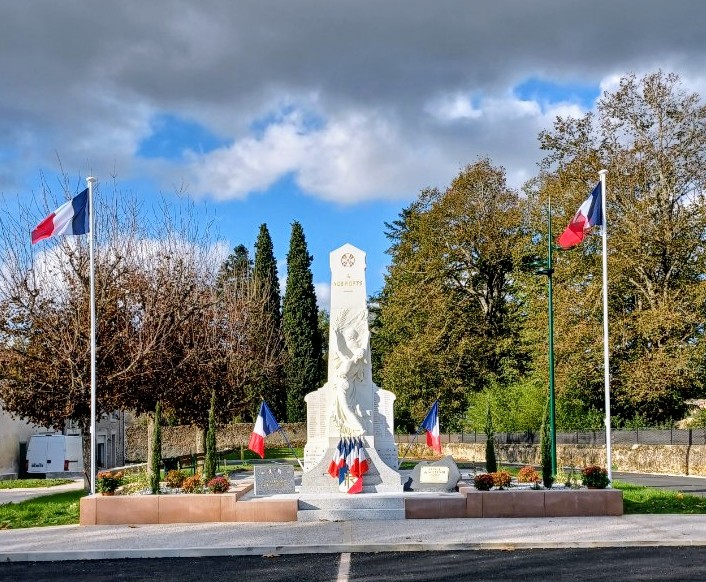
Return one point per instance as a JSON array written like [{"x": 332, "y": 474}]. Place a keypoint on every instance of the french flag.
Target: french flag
[
  {"x": 589, "y": 214},
  {"x": 333, "y": 467},
  {"x": 264, "y": 425},
  {"x": 431, "y": 425},
  {"x": 70, "y": 218},
  {"x": 360, "y": 461},
  {"x": 349, "y": 483}
]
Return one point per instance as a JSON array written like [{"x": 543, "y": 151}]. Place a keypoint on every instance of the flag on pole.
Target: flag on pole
[
  {"x": 431, "y": 425},
  {"x": 589, "y": 214},
  {"x": 264, "y": 425},
  {"x": 70, "y": 218}
]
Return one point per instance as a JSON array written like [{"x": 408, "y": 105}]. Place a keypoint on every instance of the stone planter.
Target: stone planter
[
  {"x": 518, "y": 503},
  {"x": 184, "y": 508}
]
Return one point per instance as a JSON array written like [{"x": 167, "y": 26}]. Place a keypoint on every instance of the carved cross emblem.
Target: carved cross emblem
[{"x": 347, "y": 260}]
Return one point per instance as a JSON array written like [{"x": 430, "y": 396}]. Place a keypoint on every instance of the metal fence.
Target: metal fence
[{"x": 643, "y": 436}]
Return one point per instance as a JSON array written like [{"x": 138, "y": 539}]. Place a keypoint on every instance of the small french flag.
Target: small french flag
[
  {"x": 431, "y": 425},
  {"x": 589, "y": 214},
  {"x": 70, "y": 218},
  {"x": 333, "y": 467},
  {"x": 264, "y": 425}
]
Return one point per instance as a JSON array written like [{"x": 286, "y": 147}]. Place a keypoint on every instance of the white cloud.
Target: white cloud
[{"x": 355, "y": 156}]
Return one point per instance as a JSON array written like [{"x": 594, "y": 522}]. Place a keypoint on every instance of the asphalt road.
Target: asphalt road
[
  {"x": 625, "y": 564},
  {"x": 691, "y": 485}
]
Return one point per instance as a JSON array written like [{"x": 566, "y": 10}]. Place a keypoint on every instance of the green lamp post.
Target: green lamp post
[{"x": 547, "y": 269}]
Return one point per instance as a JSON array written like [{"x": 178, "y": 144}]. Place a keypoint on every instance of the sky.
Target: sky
[{"x": 333, "y": 113}]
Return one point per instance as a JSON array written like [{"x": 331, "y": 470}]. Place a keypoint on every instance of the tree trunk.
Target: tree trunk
[{"x": 86, "y": 450}]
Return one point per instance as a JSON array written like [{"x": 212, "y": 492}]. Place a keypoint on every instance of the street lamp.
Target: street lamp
[{"x": 547, "y": 269}]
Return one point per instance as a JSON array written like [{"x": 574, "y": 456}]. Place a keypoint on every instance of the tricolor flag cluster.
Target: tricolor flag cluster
[
  {"x": 431, "y": 425},
  {"x": 349, "y": 464},
  {"x": 264, "y": 425},
  {"x": 70, "y": 218}
]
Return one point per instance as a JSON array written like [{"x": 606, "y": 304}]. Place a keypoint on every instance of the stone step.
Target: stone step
[
  {"x": 350, "y": 514},
  {"x": 345, "y": 501}
]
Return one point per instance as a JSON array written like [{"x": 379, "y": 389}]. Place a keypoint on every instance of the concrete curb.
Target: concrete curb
[{"x": 57, "y": 556}]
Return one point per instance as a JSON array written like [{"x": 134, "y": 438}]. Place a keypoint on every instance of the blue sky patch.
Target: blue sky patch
[
  {"x": 549, "y": 92},
  {"x": 173, "y": 135}
]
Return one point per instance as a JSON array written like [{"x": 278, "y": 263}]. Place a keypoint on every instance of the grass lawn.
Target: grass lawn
[
  {"x": 32, "y": 483},
  {"x": 57, "y": 509},
  {"x": 637, "y": 499},
  {"x": 270, "y": 453}
]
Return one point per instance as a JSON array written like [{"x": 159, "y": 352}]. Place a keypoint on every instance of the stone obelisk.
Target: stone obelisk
[{"x": 349, "y": 404}]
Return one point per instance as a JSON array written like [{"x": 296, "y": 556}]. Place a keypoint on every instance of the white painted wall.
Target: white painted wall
[{"x": 12, "y": 432}]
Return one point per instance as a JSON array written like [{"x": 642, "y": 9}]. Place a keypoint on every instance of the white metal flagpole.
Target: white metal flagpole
[
  {"x": 92, "y": 181},
  {"x": 606, "y": 351}
]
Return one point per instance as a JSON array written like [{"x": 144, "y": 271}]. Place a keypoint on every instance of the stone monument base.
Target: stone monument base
[
  {"x": 380, "y": 478},
  {"x": 344, "y": 507}
]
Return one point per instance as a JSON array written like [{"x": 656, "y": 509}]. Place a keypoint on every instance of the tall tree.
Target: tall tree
[
  {"x": 300, "y": 323},
  {"x": 447, "y": 321},
  {"x": 236, "y": 266},
  {"x": 265, "y": 271},
  {"x": 265, "y": 275},
  {"x": 650, "y": 135}
]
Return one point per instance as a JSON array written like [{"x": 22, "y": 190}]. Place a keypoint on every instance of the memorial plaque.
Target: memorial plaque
[
  {"x": 432, "y": 474},
  {"x": 441, "y": 475},
  {"x": 274, "y": 479}
]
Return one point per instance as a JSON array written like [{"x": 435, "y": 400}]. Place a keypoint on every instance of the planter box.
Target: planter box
[
  {"x": 226, "y": 507},
  {"x": 514, "y": 503},
  {"x": 183, "y": 508}
]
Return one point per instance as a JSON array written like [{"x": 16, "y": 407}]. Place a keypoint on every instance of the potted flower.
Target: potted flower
[
  {"x": 218, "y": 485},
  {"x": 108, "y": 481},
  {"x": 483, "y": 482},
  {"x": 595, "y": 477},
  {"x": 528, "y": 474},
  {"x": 501, "y": 479}
]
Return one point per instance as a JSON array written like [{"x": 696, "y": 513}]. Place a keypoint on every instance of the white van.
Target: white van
[{"x": 54, "y": 453}]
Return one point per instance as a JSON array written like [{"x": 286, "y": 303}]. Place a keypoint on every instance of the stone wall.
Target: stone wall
[
  {"x": 187, "y": 440},
  {"x": 670, "y": 459}
]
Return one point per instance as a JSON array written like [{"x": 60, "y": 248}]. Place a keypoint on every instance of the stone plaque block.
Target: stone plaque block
[
  {"x": 431, "y": 478},
  {"x": 433, "y": 474},
  {"x": 274, "y": 479}
]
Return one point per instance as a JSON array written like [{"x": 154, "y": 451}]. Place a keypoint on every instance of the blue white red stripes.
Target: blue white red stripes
[
  {"x": 349, "y": 463},
  {"x": 431, "y": 425},
  {"x": 589, "y": 214},
  {"x": 70, "y": 218},
  {"x": 264, "y": 425}
]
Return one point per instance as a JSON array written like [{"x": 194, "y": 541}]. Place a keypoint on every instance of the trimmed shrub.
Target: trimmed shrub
[
  {"x": 483, "y": 482},
  {"x": 501, "y": 479},
  {"x": 192, "y": 484},
  {"x": 218, "y": 485},
  {"x": 174, "y": 478},
  {"x": 528, "y": 474},
  {"x": 109, "y": 481},
  {"x": 595, "y": 476}
]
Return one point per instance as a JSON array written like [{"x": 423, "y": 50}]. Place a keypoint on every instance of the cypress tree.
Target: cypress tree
[
  {"x": 491, "y": 463},
  {"x": 265, "y": 271},
  {"x": 265, "y": 275},
  {"x": 300, "y": 325},
  {"x": 209, "y": 465},
  {"x": 156, "y": 449}
]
